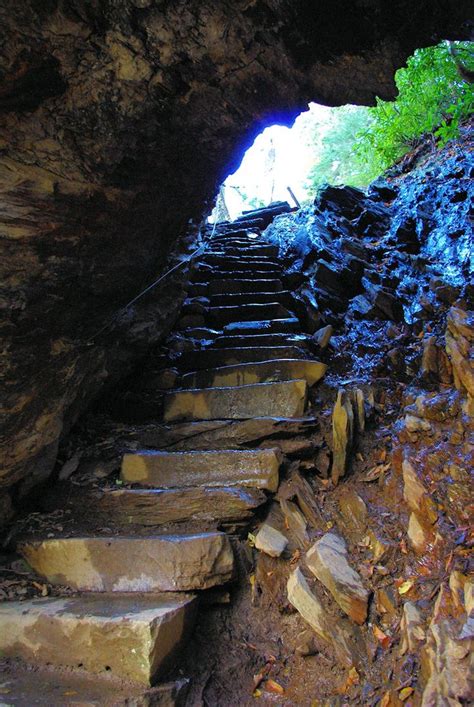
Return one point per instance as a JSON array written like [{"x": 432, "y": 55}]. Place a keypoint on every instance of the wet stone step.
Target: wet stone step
[
  {"x": 209, "y": 275},
  {"x": 134, "y": 638},
  {"x": 270, "y": 250},
  {"x": 277, "y": 432},
  {"x": 215, "y": 358},
  {"x": 220, "y": 316},
  {"x": 283, "y": 399},
  {"x": 226, "y": 300},
  {"x": 173, "y": 563},
  {"x": 221, "y": 258},
  {"x": 301, "y": 340},
  {"x": 155, "y": 507},
  {"x": 249, "y": 373},
  {"x": 290, "y": 325},
  {"x": 227, "y": 285},
  {"x": 26, "y": 686},
  {"x": 241, "y": 265},
  {"x": 253, "y": 468}
]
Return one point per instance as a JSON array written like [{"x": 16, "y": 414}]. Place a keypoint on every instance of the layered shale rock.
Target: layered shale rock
[{"x": 119, "y": 120}]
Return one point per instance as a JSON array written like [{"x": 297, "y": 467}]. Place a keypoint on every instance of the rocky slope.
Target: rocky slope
[{"x": 119, "y": 120}]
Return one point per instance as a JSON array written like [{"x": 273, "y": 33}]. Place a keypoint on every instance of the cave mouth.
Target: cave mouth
[{"x": 290, "y": 162}]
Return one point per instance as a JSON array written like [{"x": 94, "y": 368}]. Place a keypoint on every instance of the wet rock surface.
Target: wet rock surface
[
  {"x": 119, "y": 121},
  {"x": 390, "y": 617}
]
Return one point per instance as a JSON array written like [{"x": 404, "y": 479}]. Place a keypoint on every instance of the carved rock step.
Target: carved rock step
[
  {"x": 153, "y": 507},
  {"x": 261, "y": 372},
  {"x": 227, "y": 341},
  {"x": 209, "y": 275},
  {"x": 229, "y": 266},
  {"x": 214, "y": 358},
  {"x": 283, "y": 399},
  {"x": 232, "y": 434},
  {"x": 290, "y": 325},
  {"x": 245, "y": 284},
  {"x": 254, "y": 468},
  {"x": 234, "y": 298},
  {"x": 27, "y": 686},
  {"x": 269, "y": 250},
  {"x": 219, "y": 259},
  {"x": 134, "y": 638},
  {"x": 172, "y": 563},
  {"x": 219, "y": 316}
]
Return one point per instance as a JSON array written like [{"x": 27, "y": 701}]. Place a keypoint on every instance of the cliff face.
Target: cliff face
[{"x": 119, "y": 120}]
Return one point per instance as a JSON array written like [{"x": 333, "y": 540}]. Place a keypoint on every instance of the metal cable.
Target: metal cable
[{"x": 147, "y": 289}]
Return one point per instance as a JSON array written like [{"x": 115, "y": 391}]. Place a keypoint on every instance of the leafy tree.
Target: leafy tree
[{"x": 435, "y": 95}]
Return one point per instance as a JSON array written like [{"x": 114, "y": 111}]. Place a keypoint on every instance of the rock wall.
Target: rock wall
[{"x": 119, "y": 120}]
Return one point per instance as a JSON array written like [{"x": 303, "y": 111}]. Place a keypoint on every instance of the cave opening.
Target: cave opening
[
  {"x": 271, "y": 501},
  {"x": 290, "y": 162}
]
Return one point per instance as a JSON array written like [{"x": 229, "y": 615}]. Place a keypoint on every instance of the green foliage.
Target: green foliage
[{"x": 434, "y": 98}]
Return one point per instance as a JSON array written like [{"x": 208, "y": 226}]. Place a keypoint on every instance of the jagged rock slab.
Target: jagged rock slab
[
  {"x": 254, "y": 468},
  {"x": 325, "y": 626},
  {"x": 270, "y": 541},
  {"x": 327, "y": 560},
  {"x": 134, "y": 638},
  {"x": 261, "y": 372},
  {"x": 290, "y": 325},
  {"x": 224, "y": 315},
  {"x": 233, "y": 434},
  {"x": 343, "y": 432},
  {"x": 215, "y": 358},
  {"x": 21, "y": 686},
  {"x": 282, "y": 399},
  {"x": 244, "y": 284},
  {"x": 168, "y": 563},
  {"x": 121, "y": 507},
  {"x": 258, "y": 340}
]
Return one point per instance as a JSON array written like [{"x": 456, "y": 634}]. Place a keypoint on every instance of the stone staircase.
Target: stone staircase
[{"x": 240, "y": 366}]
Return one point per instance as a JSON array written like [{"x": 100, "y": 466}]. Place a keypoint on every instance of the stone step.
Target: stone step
[
  {"x": 22, "y": 685},
  {"x": 216, "y": 506},
  {"x": 290, "y": 325},
  {"x": 270, "y": 250},
  {"x": 218, "y": 259},
  {"x": 253, "y": 468},
  {"x": 283, "y": 399},
  {"x": 134, "y": 638},
  {"x": 173, "y": 563},
  {"x": 215, "y": 358},
  {"x": 225, "y": 286},
  {"x": 220, "y": 316},
  {"x": 249, "y": 373},
  {"x": 227, "y": 341},
  {"x": 269, "y": 432},
  {"x": 232, "y": 298},
  {"x": 219, "y": 274}
]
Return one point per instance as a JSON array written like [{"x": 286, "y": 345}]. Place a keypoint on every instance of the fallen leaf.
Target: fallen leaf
[
  {"x": 275, "y": 687},
  {"x": 405, "y": 587},
  {"x": 384, "y": 640},
  {"x": 257, "y": 693},
  {"x": 376, "y": 472},
  {"x": 405, "y": 693}
]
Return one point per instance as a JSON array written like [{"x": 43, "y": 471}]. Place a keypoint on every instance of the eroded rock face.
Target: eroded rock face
[{"x": 118, "y": 121}]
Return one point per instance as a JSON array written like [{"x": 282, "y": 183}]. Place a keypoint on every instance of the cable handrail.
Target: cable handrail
[{"x": 123, "y": 309}]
